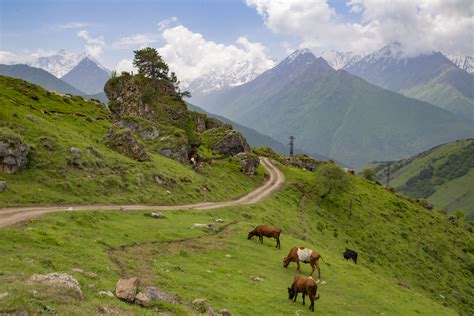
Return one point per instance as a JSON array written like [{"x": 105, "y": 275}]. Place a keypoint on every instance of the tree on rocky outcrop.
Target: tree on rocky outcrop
[{"x": 150, "y": 63}]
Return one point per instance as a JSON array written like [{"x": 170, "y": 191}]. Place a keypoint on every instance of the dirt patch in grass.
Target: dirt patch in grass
[{"x": 136, "y": 259}]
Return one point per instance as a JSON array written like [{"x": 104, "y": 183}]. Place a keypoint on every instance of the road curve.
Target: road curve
[{"x": 11, "y": 216}]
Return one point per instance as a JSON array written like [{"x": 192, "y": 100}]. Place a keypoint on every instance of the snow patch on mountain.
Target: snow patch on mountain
[
  {"x": 339, "y": 60},
  {"x": 224, "y": 76},
  {"x": 464, "y": 62},
  {"x": 62, "y": 62}
]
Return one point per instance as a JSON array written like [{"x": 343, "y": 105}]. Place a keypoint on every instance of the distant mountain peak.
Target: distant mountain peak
[
  {"x": 298, "y": 53},
  {"x": 464, "y": 62},
  {"x": 60, "y": 63}
]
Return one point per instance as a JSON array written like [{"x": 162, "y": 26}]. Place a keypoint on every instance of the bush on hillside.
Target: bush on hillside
[
  {"x": 331, "y": 180},
  {"x": 369, "y": 174}
]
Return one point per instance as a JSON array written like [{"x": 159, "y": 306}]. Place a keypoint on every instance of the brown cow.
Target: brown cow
[
  {"x": 266, "y": 231},
  {"x": 305, "y": 255},
  {"x": 305, "y": 286}
]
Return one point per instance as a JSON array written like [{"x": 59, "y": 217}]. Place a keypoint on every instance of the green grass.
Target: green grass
[
  {"x": 397, "y": 240},
  {"x": 99, "y": 175},
  {"x": 450, "y": 187}
]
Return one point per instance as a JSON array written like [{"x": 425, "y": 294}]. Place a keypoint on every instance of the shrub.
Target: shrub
[{"x": 369, "y": 174}]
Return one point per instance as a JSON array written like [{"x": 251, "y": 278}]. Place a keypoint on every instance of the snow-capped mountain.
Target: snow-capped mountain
[
  {"x": 339, "y": 60},
  {"x": 464, "y": 62},
  {"x": 60, "y": 63},
  {"x": 88, "y": 76},
  {"x": 224, "y": 77}
]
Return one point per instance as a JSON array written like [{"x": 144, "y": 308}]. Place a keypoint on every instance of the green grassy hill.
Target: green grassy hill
[
  {"x": 54, "y": 127},
  {"x": 443, "y": 175},
  {"x": 411, "y": 261}
]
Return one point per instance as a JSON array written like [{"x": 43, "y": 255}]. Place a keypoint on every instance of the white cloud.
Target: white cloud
[
  {"x": 8, "y": 58},
  {"x": 190, "y": 55},
  {"x": 125, "y": 65},
  {"x": 163, "y": 24},
  {"x": 94, "y": 45},
  {"x": 24, "y": 57},
  {"x": 73, "y": 25},
  {"x": 141, "y": 40},
  {"x": 419, "y": 25}
]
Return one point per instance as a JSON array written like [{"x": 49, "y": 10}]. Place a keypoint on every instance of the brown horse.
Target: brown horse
[
  {"x": 305, "y": 286},
  {"x": 266, "y": 231},
  {"x": 304, "y": 255}
]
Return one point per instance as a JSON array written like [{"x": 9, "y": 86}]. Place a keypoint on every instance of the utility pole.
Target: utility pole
[{"x": 291, "y": 145}]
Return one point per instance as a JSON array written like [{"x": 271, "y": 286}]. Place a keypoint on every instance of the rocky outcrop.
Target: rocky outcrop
[
  {"x": 137, "y": 96},
  {"x": 13, "y": 153},
  {"x": 3, "y": 186},
  {"x": 203, "y": 122},
  {"x": 231, "y": 144},
  {"x": 59, "y": 279},
  {"x": 249, "y": 162},
  {"x": 304, "y": 162},
  {"x": 126, "y": 289},
  {"x": 124, "y": 142}
]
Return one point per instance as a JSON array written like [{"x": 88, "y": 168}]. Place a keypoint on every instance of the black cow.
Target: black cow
[{"x": 350, "y": 254}]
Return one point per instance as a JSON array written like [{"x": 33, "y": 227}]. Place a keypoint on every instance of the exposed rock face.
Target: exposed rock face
[
  {"x": 3, "y": 186},
  {"x": 203, "y": 122},
  {"x": 13, "y": 153},
  {"x": 126, "y": 289},
  {"x": 231, "y": 144},
  {"x": 123, "y": 142},
  {"x": 135, "y": 96},
  {"x": 305, "y": 162},
  {"x": 249, "y": 162},
  {"x": 59, "y": 279},
  {"x": 180, "y": 153}
]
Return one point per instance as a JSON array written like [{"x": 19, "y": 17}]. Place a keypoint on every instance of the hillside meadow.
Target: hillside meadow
[{"x": 411, "y": 261}]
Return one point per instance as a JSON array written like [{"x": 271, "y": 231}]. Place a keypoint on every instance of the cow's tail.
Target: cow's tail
[{"x": 323, "y": 260}]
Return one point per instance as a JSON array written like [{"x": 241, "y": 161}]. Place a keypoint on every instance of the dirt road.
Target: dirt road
[{"x": 11, "y": 216}]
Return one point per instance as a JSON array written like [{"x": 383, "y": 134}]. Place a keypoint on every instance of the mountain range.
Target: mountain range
[
  {"x": 335, "y": 113},
  {"x": 80, "y": 70},
  {"x": 430, "y": 77},
  {"x": 40, "y": 77}
]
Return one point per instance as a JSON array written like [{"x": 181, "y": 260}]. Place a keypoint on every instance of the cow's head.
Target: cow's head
[
  {"x": 291, "y": 293},
  {"x": 286, "y": 262},
  {"x": 251, "y": 234}
]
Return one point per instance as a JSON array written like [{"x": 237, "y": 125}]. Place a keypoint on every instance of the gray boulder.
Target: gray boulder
[
  {"x": 3, "y": 186},
  {"x": 153, "y": 294},
  {"x": 249, "y": 162},
  {"x": 231, "y": 144},
  {"x": 59, "y": 279},
  {"x": 13, "y": 153}
]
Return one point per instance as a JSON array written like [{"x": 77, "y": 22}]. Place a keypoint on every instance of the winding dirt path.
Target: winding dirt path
[{"x": 11, "y": 216}]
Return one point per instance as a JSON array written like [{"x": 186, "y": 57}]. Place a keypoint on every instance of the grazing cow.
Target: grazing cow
[
  {"x": 304, "y": 255},
  {"x": 305, "y": 286},
  {"x": 350, "y": 254},
  {"x": 266, "y": 231}
]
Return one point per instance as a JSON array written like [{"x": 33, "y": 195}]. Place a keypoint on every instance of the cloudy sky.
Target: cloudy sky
[{"x": 195, "y": 36}]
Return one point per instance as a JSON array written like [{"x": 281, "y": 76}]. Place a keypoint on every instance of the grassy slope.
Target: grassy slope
[
  {"x": 397, "y": 240},
  {"x": 454, "y": 194},
  {"x": 107, "y": 178}
]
